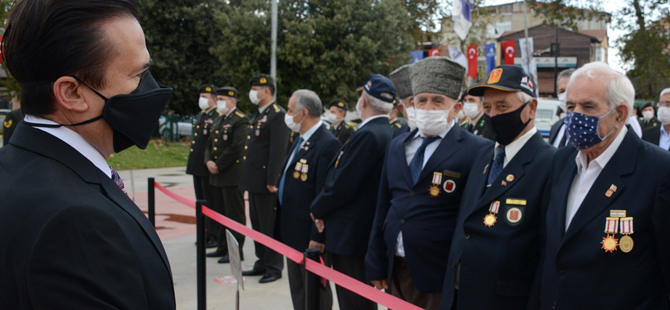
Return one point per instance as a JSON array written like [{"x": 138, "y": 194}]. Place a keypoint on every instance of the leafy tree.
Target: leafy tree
[
  {"x": 179, "y": 34},
  {"x": 330, "y": 47}
]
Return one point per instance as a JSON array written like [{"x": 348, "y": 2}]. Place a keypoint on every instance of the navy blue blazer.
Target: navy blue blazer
[
  {"x": 294, "y": 226},
  {"x": 348, "y": 200},
  {"x": 427, "y": 223},
  {"x": 577, "y": 273},
  {"x": 499, "y": 263}
]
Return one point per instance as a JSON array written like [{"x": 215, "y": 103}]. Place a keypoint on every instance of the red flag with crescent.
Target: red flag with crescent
[
  {"x": 509, "y": 50},
  {"x": 472, "y": 61}
]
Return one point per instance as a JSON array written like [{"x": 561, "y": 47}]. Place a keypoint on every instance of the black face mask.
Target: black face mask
[
  {"x": 509, "y": 125},
  {"x": 133, "y": 116}
]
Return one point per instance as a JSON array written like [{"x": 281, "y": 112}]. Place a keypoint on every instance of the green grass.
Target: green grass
[{"x": 157, "y": 155}]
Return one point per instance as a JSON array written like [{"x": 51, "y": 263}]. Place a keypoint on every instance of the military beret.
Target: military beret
[
  {"x": 437, "y": 75},
  {"x": 646, "y": 105},
  {"x": 207, "y": 89},
  {"x": 339, "y": 103},
  {"x": 227, "y": 91},
  {"x": 262, "y": 80},
  {"x": 401, "y": 81}
]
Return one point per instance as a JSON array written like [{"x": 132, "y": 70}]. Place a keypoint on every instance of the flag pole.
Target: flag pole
[
  {"x": 273, "y": 59},
  {"x": 525, "y": 32}
]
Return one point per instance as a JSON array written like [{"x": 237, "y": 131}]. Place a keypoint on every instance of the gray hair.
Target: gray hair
[
  {"x": 663, "y": 92},
  {"x": 619, "y": 88},
  {"x": 565, "y": 74},
  {"x": 379, "y": 105},
  {"x": 307, "y": 99},
  {"x": 523, "y": 97}
]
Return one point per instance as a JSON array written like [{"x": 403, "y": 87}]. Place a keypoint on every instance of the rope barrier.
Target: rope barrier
[{"x": 335, "y": 276}]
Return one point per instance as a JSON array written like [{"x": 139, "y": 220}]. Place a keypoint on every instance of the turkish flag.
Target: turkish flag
[
  {"x": 508, "y": 49},
  {"x": 433, "y": 52},
  {"x": 472, "y": 61}
]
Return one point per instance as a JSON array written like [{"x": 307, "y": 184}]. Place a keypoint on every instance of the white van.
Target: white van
[{"x": 546, "y": 115}]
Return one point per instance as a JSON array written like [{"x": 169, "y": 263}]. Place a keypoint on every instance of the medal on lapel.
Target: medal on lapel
[
  {"x": 490, "y": 219},
  {"x": 434, "y": 190},
  {"x": 609, "y": 243},
  {"x": 303, "y": 176},
  {"x": 298, "y": 168},
  {"x": 626, "y": 242}
]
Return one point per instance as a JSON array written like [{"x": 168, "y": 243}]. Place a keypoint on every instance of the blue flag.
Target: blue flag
[
  {"x": 490, "y": 57},
  {"x": 415, "y": 56}
]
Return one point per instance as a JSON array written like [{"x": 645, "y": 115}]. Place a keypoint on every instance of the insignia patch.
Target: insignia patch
[
  {"x": 263, "y": 81},
  {"x": 276, "y": 108},
  {"x": 231, "y": 93},
  {"x": 340, "y": 104},
  {"x": 449, "y": 186},
  {"x": 481, "y": 123},
  {"x": 8, "y": 123},
  {"x": 514, "y": 215},
  {"x": 495, "y": 76},
  {"x": 208, "y": 89}
]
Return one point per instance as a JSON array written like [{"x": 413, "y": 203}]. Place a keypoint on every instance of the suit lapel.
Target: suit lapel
[
  {"x": 478, "y": 181},
  {"x": 596, "y": 200},
  {"x": 563, "y": 189},
  {"x": 447, "y": 148},
  {"x": 307, "y": 147},
  {"x": 401, "y": 157}
]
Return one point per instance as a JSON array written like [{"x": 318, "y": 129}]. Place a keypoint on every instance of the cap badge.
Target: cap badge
[
  {"x": 263, "y": 81},
  {"x": 340, "y": 104},
  {"x": 208, "y": 89},
  {"x": 231, "y": 93},
  {"x": 495, "y": 76}
]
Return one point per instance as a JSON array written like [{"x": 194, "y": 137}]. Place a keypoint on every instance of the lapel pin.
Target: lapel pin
[
  {"x": 510, "y": 178},
  {"x": 609, "y": 193},
  {"x": 503, "y": 183},
  {"x": 613, "y": 188},
  {"x": 485, "y": 168}
]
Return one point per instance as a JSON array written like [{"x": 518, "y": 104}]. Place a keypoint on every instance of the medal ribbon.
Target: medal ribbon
[
  {"x": 626, "y": 225},
  {"x": 304, "y": 168},
  {"x": 495, "y": 206},
  {"x": 611, "y": 225},
  {"x": 437, "y": 178},
  {"x": 298, "y": 166}
]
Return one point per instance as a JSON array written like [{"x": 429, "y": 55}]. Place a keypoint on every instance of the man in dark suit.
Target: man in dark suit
[
  {"x": 196, "y": 158},
  {"x": 337, "y": 110},
  {"x": 303, "y": 176},
  {"x": 598, "y": 205},
  {"x": 660, "y": 135},
  {"x": 263, "y": 157},
  {"x": 223, "y": 157},
  {"x": 557, "y": 136},
  {"x": 70, "y": 237},
  {"x": 346, "y": 205},
  {"x": 421, "y": 186},
  {"x": 496, "y": 248},
  {"x": 11, "y": 120}
]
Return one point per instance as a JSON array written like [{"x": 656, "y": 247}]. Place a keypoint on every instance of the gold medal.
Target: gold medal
[
  {"x": 303, "y": 177},
  {"x": 434, "y": 191},
  {"x": 296, "y": 174},
  {"x": 626, "y": 244},
  {"x": 305, "y": 168},
  {"x": 490, "y": 220},
  {"x": 298, "y": 169},
  {"x": 609, "y": 243}
]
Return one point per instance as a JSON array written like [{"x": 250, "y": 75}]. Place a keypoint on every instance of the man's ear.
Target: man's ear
[
  {"x": 68, "y": 94},
  {"x": 622, "y": 112},
  {"x": 532, "y": 109}
]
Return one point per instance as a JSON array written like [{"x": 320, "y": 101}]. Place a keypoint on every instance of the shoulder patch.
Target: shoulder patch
[
  {"x": 238, "y": 113},
  {"x": 346, "y": 125},
  {"x": 276, "y": 108},
  {"x": 397, "y": 125}
]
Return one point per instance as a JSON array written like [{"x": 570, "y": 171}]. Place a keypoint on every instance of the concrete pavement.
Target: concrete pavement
[{"x": 175, "y": 224}]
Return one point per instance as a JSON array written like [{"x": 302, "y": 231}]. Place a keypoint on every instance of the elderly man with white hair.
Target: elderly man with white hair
[
  {"x": 609, "y": 189},
  {"x": 660, "y": 135}
]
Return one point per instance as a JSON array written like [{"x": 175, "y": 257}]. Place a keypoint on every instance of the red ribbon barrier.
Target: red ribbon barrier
[{"x": 337, "y": 277}]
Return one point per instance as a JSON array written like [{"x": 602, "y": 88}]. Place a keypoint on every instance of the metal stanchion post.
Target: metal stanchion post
[
  {"x": 152, "y": 202},
  {"x": 312, "y": 282},
  {"x": 200, "y": 228}
]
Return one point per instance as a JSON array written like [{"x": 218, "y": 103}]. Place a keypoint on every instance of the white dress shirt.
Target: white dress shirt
[
  {"x": 308, "y": 134},
  {"x": 371, "y": 118},
  {"x": 514, "y": 146},
  {"x": 73, "y": 139},
  {"x": 410, "y": 149},
  {"x": 587, "y": 173},
  {"x": 559, "y": 136},
  {"x": 635, "y": 124},
  {"x": 664, "y": 139}
]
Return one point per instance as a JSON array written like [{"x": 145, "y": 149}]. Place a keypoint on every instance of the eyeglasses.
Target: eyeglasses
[{"x": 664, "y": 104}]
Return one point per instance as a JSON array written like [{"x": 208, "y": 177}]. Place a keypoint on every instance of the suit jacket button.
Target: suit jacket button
[
  {"x": 554, "y": 306},
  {"x": 466, "y": 236},
  {"x": 238, "y": 161},
  {"x": 402, "y": 222},
  {"x": 411, "y": 193},
  {"x": 245, "y": 158},
  {"x": 561, "y": 269}
]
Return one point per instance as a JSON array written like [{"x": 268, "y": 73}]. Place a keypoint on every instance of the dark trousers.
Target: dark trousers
[
  {"x": 229, "y": 202},
  {"x": 204, "y": 191},
  {"x": 353, "y": 266},
  {"x": 262, "y": 211},
  {"x": 296, "y": 281},
  {"x": 403, "y": 287}
]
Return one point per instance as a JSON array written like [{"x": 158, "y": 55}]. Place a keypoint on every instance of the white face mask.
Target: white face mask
[
  {"x": 411, "y": 117},
  {"x": 432, "y": 122},
  {"x": 664, "y": 115},
  {"x": 288, "y": 119},
  {"x": 332, "y": 117},
  {"x": 647, "y": 115},
  {"x": 561, "y": 104},
  {"x": 203, "y": 103},
  {"x": 471, "y": 109},
  {"x": 253, "y": 96},
  {"x": 460, "y": 115},
  {"x": 222, "y": 106}
]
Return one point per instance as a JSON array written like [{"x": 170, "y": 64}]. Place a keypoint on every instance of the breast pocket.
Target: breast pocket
[{"x": 514, "y": 212}]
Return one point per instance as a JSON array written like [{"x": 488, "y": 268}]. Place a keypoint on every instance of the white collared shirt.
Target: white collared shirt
[
  {"x": 74, "y": 140},
  {"x": 664, "y": 139},
  {"x": 587, "y": 173},
  {"x": 559, "y": 136},
  {"x": 305, "y": 137},
  {"x": 262, "y": 109},
  {"x": 371, "y": 118},
  {"x": 410, "y": 149},
  {"x": 515, "y": 146}
]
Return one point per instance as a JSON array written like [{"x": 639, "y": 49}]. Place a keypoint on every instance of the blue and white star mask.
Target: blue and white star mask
[{"x": 583, "y": 130}]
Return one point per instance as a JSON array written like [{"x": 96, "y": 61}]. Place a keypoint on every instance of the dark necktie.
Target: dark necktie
[
  {"x": 497, "y": 166},
  {"x": 117, "y": 180},
  {"x": 280, "y": 190},
  {"x": 563, "y": 139},
  {"x": 416, "y": 165}
]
